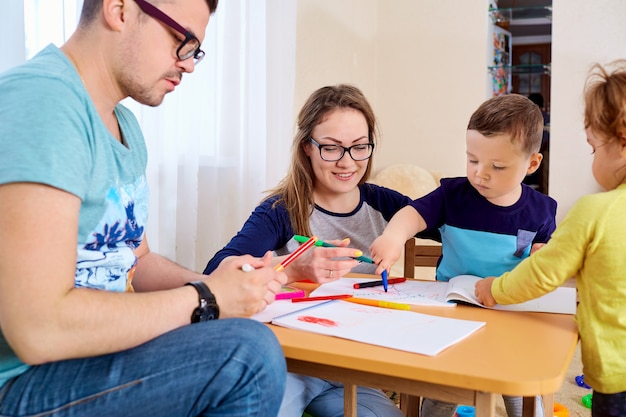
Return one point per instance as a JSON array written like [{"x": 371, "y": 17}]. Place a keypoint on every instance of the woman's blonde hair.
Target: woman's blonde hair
[{"x": 295, "y": 191}]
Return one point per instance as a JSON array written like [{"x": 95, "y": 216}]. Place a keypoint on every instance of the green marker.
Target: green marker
[{"x": 302, "y": 239}]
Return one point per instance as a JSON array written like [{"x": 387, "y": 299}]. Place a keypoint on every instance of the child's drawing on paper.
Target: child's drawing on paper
[
  {"x": 431, "y": 293},
  {"x": 318, "y": 320}
]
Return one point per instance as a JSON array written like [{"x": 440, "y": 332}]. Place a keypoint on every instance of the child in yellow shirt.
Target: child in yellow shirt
[{"x": 590, "y": 244}]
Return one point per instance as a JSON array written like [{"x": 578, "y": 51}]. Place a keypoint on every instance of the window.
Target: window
[{"x": 47, "y": 21}]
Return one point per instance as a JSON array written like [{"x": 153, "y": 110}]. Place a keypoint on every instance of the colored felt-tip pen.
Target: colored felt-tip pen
[
  {"x": 378, "y": 303},
  {"x": 370, "y": 284},
  {"x": 385, "y": 281},
  {"x": 302, "y": 239},
  {"x": 321, "y": 298},
  {"x": 306, "y": 245}
]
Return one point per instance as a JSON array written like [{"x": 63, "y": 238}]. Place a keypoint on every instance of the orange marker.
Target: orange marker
[{"x": 379, "y": 303}]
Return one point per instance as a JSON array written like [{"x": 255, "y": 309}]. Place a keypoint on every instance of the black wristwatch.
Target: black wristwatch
[{"x": 208, "y": 309}]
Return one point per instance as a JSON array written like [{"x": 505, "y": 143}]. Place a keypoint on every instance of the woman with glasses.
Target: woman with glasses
[{"x": 324, "y": 194}]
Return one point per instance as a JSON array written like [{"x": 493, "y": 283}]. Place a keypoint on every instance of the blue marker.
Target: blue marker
[{"x": 385, "y": 282}]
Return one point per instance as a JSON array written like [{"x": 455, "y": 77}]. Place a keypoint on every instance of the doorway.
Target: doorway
[{"x": 531, "y": 57}]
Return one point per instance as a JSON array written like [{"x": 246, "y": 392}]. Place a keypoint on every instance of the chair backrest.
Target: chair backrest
[{"x": 416, "y": 254}]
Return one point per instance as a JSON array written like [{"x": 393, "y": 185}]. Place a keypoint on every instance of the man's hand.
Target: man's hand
[{"x": 243, "y": 294}]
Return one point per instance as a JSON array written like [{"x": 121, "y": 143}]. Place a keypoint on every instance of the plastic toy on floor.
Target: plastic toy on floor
[
  {"x": 465, "y": 411},
  {"x": 560, "y": 410},
  {"x": 580, "y": 381}
]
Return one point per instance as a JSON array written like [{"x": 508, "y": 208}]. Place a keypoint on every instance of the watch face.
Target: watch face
[
  {"x": 208, "y": 308},
  {"x": 207, "y": 311},
  {"x": 210, "y": 312}
]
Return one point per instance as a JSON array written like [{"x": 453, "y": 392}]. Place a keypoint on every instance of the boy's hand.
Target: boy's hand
[
  {"x": 536, "y": 246},
  {"x": 385, "y": 251},
  {"x": 482, "y": 291}
]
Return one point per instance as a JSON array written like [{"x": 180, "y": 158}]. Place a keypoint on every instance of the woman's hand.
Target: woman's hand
[{"x": 323, "y": 264}]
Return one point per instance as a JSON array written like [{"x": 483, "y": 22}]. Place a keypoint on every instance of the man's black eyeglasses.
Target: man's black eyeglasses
[
  {"x": 333, "y": 153},
  {"x": 190, "y": 47}
]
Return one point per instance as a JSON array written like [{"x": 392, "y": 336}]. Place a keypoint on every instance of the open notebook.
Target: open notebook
[
  {"x": 562, "y": 300},
  {"x": 458, "y": 289}
]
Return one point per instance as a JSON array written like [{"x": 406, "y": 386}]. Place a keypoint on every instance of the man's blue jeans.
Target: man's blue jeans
[{"x": 231, "y": 367}]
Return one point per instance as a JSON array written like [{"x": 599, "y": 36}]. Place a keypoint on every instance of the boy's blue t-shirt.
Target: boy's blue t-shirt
[
  {"x": 51, "y": 133},
  {"x": 480, "y": 238}
]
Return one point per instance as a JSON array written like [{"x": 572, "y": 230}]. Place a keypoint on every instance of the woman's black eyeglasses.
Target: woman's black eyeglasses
[
  {"x": 333, "y": 153},
  {"x": 190, "y": 47}
]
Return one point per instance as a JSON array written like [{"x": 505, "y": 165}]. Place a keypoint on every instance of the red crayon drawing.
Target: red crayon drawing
[{"x": 318, "y": 320}]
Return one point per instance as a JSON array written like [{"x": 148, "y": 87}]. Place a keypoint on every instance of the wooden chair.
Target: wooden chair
[{"x": 416, "y": 254}]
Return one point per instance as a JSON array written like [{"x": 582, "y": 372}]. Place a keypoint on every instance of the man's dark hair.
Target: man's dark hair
[{"x": 92, "y": 7}]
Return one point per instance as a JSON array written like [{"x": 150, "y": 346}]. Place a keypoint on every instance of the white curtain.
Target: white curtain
[{"x": 223, "y": 136}]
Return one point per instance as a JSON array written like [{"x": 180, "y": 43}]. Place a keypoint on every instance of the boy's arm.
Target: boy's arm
[{"x": 386, "y": 249}]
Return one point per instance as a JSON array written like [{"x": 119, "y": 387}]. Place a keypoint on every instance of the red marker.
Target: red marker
[{"x": 295, "y": 254}]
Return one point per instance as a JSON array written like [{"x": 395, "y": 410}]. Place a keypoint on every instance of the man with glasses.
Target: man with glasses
[{"x": 93, "y": 323}]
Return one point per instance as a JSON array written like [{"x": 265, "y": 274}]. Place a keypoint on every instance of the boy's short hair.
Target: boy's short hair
[{"x": 510, "y": 114}]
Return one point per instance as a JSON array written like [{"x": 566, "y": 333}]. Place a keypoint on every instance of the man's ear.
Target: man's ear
[
  {"x": 534, "y": 163},
  {"x": 115, "y": 13}
]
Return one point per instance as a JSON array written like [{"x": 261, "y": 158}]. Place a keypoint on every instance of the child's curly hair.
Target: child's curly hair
[{"x": 605, "y": 100}]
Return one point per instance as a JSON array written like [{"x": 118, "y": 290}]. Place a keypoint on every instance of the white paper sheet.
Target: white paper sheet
[
  {"x": 404, "y": 330},
  {"x": 281, "y": 307}
]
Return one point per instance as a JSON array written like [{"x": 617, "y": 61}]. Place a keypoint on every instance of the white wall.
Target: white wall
[
  {"x": 431, "y": 75},
  {"x": 583, "y": 32},
  {"x": 422, "y": 64}
]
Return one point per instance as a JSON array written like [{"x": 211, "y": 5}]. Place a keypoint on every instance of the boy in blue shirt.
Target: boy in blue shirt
[{"x": 489, "y": 221}]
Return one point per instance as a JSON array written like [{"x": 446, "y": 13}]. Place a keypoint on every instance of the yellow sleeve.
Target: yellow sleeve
[{"x": 560, "y": 259}]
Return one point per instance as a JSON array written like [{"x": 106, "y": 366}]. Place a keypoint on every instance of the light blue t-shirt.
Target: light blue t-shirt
[{"x": 51, "y": 133}]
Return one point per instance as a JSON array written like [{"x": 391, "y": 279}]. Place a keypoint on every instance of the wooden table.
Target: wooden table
[{"x": 518, "y": 354}]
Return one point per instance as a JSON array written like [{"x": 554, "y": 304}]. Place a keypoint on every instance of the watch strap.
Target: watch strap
[{"x": 207, "y": 308}]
